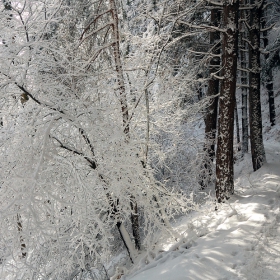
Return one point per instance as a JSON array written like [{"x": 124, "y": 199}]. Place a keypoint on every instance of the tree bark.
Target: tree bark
[
  {"x": 213, "y": 90},
  {"x": 245, "y": 134},
  {"x": 224, "y": 161},
  {"x": 270, "y": 92},
  {"x": 212, "y": 110},
  {"x": 237, "y": 125},
  {"x": 118, "y": 66},
  {"x": 244, "y": 81},
  {"x": 255, "y": 114},
  {"x": 22, "y": 243},
  {"x": 268, "y": 76}
]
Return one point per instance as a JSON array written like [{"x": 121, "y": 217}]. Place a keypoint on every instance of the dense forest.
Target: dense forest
[{"x": 117, "y": 117}]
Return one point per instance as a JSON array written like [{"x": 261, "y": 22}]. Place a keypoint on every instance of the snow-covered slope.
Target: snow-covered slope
[{"x": 239, "y": 241}]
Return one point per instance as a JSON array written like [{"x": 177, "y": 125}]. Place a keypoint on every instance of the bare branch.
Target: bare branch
[
  {"x": 242, "y": 86},
  {"x": 243, "y": 69},
  {"x": 214, "y": 3}
]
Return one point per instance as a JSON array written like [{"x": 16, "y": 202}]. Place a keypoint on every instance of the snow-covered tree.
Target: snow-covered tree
[
  {"x": 70, "y": 173},
  {"x": 255, "y": 115},
  {"x": 224, "y": 158}
]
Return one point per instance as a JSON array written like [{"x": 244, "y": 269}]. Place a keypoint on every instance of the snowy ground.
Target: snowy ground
[{"x": 239, "y": 241}]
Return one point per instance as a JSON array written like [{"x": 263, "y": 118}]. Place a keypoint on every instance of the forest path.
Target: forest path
[
  {"x": 239, "y": 241},
  {"x": 263, "y": 261}
]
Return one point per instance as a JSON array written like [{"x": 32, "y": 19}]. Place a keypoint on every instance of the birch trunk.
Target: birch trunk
[
  {"x": 224, "y": 161},
  {"x": 255, "y": 115}
]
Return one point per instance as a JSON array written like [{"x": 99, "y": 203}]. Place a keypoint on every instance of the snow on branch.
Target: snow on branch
[
  {"x": 214, "y": 3},
  {"x": 95, "y": 31},
  {"x": 96, "y": 17},
  {"x": 242, "y": 86},
  {"x": 212, "y": 28},
  {"x": 66, "y": 147},
  {"x": 97, "y": 52},
  {"x": 267, "y": 28},
  {"x": 243, "y": 69}
]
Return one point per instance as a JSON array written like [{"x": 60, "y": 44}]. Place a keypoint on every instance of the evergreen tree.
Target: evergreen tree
[
  {"x": 255, "y": 114},
  {"x": 224, "y": 161}
]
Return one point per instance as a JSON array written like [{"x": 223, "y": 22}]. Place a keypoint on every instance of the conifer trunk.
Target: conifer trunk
[
  {"x": 256, "y": 138},
  {"x": 245, "y": 134},
  {"x": 268, "y": 75},
  {"x": 237, "y": 125},
  {"x": 244, "y": 82},
  {"x": 270, "y": 92},
  {"x": 212, "y": 92},
  {"x": 224, "y": 161}
]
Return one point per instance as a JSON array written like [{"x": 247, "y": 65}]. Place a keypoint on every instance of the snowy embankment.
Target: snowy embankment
[{"x": 239, "y": 241}]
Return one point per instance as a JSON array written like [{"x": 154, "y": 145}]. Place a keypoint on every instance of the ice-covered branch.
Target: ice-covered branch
[
  {"x": 96, "y": 17},
  {"x": 202, "y": 26},
  {"x": 95, "y": 31},
  {"x": 66, "y": 147}
]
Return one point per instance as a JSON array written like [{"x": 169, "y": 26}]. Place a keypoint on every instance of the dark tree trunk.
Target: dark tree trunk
[
  {"x": 270, "y": 92},
  {"x": 213, "y": 90},
  {"x": 268, "y": 76},
  {"x": 212, "y": 110},
  {"x": 22, "y": 243},
  {"x": 119, "y": 224},
  {"x": 224, "y": 161},
  {"x": 245, "y": 134},
  {"x": 237, "y": 125},
  {"x": 135, "y": 224},
  {"x": 244, "y": 82},
  {"x": 257, "y": 147},
  {"x": 118, "y": 67}
]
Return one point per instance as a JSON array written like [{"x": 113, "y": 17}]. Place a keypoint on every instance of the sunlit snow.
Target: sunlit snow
[{"x": 239, "y": 241}]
